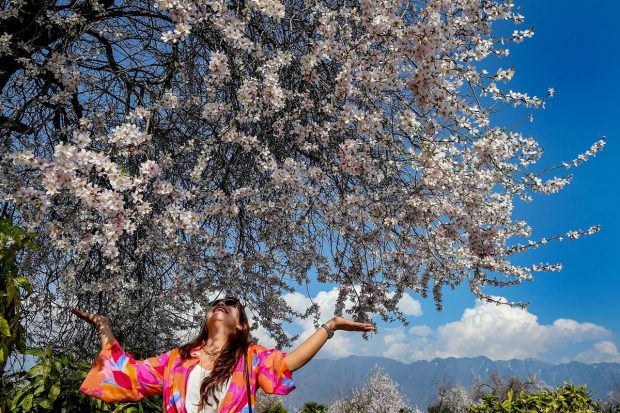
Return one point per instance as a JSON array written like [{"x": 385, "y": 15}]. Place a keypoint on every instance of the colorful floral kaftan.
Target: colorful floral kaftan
[{"x": 116, "y": 376}]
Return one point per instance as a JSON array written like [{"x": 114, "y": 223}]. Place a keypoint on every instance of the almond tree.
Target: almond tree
[
  {"x": 172, "y": 150},
  {"x": 451, "y": 398},
  {"x": 378, "y": 394}
]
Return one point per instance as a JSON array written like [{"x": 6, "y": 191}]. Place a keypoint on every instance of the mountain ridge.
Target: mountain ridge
[{"x": 326, "y": 380}]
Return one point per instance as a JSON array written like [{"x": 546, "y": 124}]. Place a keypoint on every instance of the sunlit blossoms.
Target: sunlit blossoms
[
  {"x": 253, "y": 147},
  {"x": 219, "y": 66},
  {"x": 109, "y": 200}
]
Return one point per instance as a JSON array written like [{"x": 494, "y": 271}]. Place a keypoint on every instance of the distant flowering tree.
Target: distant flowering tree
[
  {"x": 378, "y": 394},
  {"x": 169, "y": 150},
  {"x": 451, "y": 398},
  {"x": 268, "y": 403}
]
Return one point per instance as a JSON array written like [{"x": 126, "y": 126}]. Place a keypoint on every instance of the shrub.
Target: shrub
[
  {"x": 566, "y": 399},
  {"x": 13, "y": 240},
  {"x": 313, "y": 407}
]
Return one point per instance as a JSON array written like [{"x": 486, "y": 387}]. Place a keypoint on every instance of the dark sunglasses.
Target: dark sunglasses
[{"x": 228, "y": 301}]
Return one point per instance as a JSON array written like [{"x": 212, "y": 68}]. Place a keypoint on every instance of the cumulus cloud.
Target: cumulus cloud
[
  {"x": 410, "y": 306},
  {"x": 344, "y": 344},
  {"x": 498, "y": 332},
  {"x": 601, "y": 352},
  {"x": 263, "y": 336},
  {"x": 421, "y": 330}
]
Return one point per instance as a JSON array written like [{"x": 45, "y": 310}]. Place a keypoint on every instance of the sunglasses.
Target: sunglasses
[{"x": 228, "y": 301}]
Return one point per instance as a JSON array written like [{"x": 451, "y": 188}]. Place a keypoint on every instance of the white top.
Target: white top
[{"x": 192, "y": 398}]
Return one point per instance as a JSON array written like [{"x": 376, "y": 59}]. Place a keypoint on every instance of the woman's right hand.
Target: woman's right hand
[
  {"x": 97, "y": 320},
  {"x": 101, "y": 322}
]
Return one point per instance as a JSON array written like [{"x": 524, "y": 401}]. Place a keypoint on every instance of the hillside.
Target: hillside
[{"x": 327, "y": 380}]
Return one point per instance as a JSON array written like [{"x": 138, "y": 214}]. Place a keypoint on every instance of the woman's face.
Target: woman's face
[{"x": 224, "y": 313}]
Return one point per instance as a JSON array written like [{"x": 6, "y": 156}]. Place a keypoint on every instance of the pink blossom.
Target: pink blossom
[{"x": 150, "y": 169}]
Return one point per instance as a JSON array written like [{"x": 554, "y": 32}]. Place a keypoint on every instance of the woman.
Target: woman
[{"x": 218, "y": 371}]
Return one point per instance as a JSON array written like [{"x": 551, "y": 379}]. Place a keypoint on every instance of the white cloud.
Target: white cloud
[
  {"x": 395, "y": 335},
  {"x": 410, "y": 306},
  {"x": 601, "y": 352},
  {"x": 498, "y": 332},
  {"x": 297, "y": 301},
  {"x": 421, "y": 330},
  {"x": 340, "y": 345},
  {"x": 345, "y": 344},
  {"x": 263, "y": 337}
]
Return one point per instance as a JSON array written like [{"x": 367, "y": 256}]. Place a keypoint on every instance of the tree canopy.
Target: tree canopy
[{"x": 166, "y": 151}]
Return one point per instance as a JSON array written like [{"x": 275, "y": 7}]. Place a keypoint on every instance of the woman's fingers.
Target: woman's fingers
[
  {"x": 82, "y": 314},
  {"x": 349, "y": 325},
  {"x": 95, "y": 319},
  {"x": 354, "y": 326}
]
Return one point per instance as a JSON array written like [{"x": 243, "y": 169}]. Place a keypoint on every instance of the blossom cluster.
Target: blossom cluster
[{"x": 107, "y": 209}]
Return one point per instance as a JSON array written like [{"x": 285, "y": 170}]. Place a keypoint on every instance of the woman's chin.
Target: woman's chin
[{"x": 222, "y": 320}]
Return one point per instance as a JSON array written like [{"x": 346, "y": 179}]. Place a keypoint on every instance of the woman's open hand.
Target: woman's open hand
[
  {"x": 341, "y": 323},
  {"x": 101, "y": 322},
  {"x": 97, "y": 320}
]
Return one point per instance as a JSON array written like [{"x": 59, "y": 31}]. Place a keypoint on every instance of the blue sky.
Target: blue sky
[
  {"x": 575, "y": 50},
  {"x": 573, "y": 314}
]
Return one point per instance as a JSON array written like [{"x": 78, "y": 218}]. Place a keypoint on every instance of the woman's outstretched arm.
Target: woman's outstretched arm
[
  {"x": 116, "y": 376},
  {"x": 306, "y": 350}
]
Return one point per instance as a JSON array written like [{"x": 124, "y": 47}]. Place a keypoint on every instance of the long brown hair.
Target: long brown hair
[{"x": 225, "y": 363}]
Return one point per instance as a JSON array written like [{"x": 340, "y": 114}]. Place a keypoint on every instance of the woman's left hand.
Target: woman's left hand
[{"x": 341, "y": 323}]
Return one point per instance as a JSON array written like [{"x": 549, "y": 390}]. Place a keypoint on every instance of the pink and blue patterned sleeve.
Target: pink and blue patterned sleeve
[
  {"x": 116, "y": 376},
  {"x": 274, "y": 377}
]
